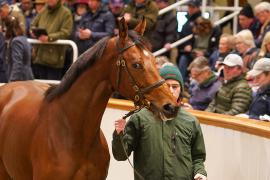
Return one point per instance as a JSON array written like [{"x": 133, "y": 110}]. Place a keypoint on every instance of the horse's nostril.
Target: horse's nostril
[{"x": 169, "y": 108}]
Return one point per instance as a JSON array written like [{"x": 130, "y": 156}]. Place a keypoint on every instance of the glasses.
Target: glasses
[{"x": 195, "y": 74}]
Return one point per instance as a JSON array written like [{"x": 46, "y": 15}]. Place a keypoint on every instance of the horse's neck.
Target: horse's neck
[{"x": 84, "y": 103}]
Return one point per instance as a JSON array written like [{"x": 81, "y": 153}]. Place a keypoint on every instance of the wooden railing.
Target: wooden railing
[{"x": 250, "y": 126}]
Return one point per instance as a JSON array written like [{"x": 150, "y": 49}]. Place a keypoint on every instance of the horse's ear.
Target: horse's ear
[
  {"x": 140, "y": 28},
  {"x": 123, "y": 30}
]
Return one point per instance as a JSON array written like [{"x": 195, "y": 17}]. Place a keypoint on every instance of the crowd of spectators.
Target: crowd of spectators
[{"x": 215, "y": 65}]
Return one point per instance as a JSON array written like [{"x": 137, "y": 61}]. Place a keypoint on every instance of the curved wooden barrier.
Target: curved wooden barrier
[{"x": 249, "y": 126}]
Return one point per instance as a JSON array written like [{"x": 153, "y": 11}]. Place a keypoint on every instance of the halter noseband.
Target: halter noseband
[{"x": 139, "y": 99}]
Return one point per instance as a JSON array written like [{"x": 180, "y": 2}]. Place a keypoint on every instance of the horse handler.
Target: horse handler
[{"x": 163, "y": 150}]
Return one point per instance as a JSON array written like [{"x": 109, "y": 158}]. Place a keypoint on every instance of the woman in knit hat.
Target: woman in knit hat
[{"x": 161, "y": 147}]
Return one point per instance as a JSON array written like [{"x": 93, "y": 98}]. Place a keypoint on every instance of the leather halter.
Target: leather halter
[{"x": 139, "y": 99}]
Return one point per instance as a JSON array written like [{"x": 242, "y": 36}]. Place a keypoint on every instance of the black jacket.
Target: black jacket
[
  {"x": 165, "y": 31},
  {"x": 187, "y": 29},
  {"x": 260, "y": 104}
]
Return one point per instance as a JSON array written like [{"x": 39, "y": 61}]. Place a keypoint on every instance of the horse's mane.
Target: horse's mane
[{"x": 85, "y": 61}]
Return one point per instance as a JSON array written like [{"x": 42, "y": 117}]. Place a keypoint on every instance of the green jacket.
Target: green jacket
[
  {"x": 171, "y": 150},
  {"x": 149, "y": 10},
  {"x": 233, "y": 97},
  {"x": 58, "y": 22}
]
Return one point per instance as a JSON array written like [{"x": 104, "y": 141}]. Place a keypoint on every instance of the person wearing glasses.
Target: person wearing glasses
[
  {"x": 235, "y": 94},
  {"x": 172, "y": 149},
  {"x": 205, "y": 86}
]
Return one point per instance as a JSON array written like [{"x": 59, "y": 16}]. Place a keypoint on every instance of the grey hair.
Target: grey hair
[
  {"x": 262, "y": 6},
  {"x": 246, "y": 37}
]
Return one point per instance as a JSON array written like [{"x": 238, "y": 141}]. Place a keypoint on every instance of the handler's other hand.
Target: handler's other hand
[
  {"x": 200, "y": 177},
  {"x": 119, "y": 125}
]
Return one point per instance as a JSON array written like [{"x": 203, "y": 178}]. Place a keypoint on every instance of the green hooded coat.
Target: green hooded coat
[{"x": 163, "y": 150}]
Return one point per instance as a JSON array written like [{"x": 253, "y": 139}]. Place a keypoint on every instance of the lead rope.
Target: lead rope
[{"x": 123, "y": 146}]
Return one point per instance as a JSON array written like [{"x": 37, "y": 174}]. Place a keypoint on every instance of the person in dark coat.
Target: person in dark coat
[
  {"x": 194, "y": 12},
  {"x": 165, "y": 31},
  {"x": 184, "y": 50},
  {"x": 261, "y": 102},
  {"x": 96, "y": 24},
  {"x": 18, "y": 52},
  {"x": 247, "y": 20},
  {"x": 3, "y": 77}
]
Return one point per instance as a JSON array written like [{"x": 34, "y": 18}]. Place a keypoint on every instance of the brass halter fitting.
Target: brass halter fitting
[{"x": 139, "y": 98}]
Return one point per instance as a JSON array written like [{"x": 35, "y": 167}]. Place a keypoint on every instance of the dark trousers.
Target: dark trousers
[{"x": 45, "y": 72}]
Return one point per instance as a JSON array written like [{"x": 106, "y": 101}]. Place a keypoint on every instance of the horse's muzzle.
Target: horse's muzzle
[{"x": 170, "y": 110}]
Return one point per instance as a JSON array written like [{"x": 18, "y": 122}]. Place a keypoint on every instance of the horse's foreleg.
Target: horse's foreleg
[{"x": 3, "y": 172}]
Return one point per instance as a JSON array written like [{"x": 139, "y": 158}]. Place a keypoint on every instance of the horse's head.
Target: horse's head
[{"x": 136, "y": 76}]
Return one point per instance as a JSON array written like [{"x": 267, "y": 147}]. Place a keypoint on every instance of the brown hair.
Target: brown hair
[
  {"x": 13, "y": 27},
  {"x": 202, "y": 26}
]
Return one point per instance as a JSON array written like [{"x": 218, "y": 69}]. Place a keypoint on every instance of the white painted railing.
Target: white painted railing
[
  {"x": 233, "y": 16},
  {"x": 59, "y": 42}
]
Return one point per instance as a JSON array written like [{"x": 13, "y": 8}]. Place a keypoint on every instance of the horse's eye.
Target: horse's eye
[{"x": 137, "y": 66}]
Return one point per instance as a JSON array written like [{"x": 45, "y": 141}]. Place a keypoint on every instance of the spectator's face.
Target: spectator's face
[
  {"x": 262, "y": 16},
  {"x": 52, "y": 3},
  {"x": 198, "y": 75},
  {"x": 223, "y": 45},
  {"x": 262, "y": 79},
  {"x": 26, "y": 5},
  {"x": 4, "y": 11},
  {"x": 94, "y": 4},
  {"x": 240, "y": 46},
  {"x": 244, "y": 21},
  {"x": 116, "y": 10},
  {"x": 81, "y": 9},
  {"x": 192, "y": 10},
  {"x": 231, "y": 72},
  {"x": 39, "y": 7},
  {"x": 139, "y": 1},
  {"x": 161, "y": 4},
  {"x": 174, "y": 86}
]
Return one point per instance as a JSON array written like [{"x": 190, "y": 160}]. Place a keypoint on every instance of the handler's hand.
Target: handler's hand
[
  {"x": 119, "y": 125},
  {"x": 200, "y": 177}
]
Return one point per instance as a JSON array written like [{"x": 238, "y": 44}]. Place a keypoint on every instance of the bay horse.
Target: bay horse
[{"x": 53, "y": 132}]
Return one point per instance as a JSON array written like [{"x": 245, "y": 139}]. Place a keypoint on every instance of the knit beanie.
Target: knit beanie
[
  {"x": 247, "y": 11},
  {"x": 172, "y": 72}
]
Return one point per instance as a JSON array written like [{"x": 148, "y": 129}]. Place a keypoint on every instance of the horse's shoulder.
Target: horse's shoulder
[{"x": 24, "y": 92}]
